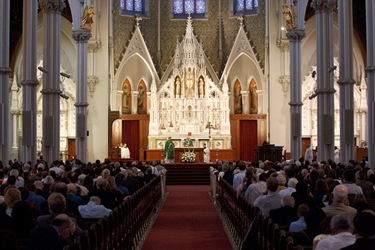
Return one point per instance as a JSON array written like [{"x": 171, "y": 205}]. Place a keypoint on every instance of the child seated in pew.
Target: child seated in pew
[{"x": 299, "y": 225}]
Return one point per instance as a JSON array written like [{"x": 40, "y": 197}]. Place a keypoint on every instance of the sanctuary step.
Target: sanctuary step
[{"x": 188, "y": 173}]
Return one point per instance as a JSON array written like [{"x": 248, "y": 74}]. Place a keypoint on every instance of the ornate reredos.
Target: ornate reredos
[{"x": 189, "y": 97}]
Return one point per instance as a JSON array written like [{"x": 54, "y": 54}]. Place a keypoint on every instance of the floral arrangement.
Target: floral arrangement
[{"x": 188, "y": 156}]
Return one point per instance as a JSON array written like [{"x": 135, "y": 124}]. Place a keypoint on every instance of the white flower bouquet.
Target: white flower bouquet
[{"x": 188, "y": 156}]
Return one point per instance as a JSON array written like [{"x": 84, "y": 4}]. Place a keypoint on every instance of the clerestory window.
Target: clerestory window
[
  {"x": 195, "y": 8},
  {"x": 245, "y": 7},
  {"x": 133, "y": 7}
]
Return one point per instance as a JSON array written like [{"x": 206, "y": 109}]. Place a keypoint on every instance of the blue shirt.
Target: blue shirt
[
  {"x": 35, "y": 199},
  {"x": 297, "y": 226},
  {"x": 124, "y": 190},
  {"x": 91, "y": 210},
  {"x": 238, "y": 178}
]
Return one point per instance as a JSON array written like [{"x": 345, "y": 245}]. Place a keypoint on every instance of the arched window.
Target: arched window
[
  {"x": 132, "y": 7},
  {"x": 194, "y": 8},
  {"x": 245, "y": 7}
]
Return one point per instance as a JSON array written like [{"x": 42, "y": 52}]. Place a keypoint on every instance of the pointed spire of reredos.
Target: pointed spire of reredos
[{"x": 189, "y": 44}]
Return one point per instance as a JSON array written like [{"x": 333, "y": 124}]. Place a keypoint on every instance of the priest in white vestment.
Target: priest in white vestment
[
  {"x": 206, "y": 152},
  {"x": 125, "y": 152}
]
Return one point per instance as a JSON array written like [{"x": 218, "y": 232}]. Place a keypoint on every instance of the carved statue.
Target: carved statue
[
  {"x": 253, "y": 98},
  {"x": 141, "y": 96},
  {"x": 189, "y": 84},
  {"x": 88, "y": 17},
  {"x": 125, "y": 99},
  {"x": 238, "y": 100},
  {"x": 201, "y": 87},
  {"x": 178, "y": 85},
  {"x": 289, "y": 15}
]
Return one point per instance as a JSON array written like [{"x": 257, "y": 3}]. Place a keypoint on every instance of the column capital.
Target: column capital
[
  {"x": 295, "y": 35},
  {"x": 82, "y": 35},
  {"x": 285, "y": 83},
  {"x": 52, "y": 6},
  {"x": 15, "y": 112},
  {"x": 283, "y": 45},
  {"x": 92, "y": 81},
  {"x": 94, "y": 45},
  {"x": 323, "y": 5}
]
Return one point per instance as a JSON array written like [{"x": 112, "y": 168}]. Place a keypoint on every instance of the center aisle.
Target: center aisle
[{"x": 188, "y": 220}]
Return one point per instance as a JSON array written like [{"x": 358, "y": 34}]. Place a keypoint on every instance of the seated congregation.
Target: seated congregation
[
  {"x": 70, "y": 205},
  {"x": 297, "y": 204}
]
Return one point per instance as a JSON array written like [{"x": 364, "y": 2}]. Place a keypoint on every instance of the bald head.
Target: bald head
[
  {"x": 288, "y": 200},
  {"x": 340, "y": 193}
]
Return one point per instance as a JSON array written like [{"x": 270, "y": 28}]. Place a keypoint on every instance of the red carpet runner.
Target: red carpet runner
[{"x": 188, "y": 220}]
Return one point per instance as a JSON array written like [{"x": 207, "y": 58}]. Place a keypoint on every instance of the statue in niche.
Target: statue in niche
[
  {"x": 88, "y": 17},
  {"x": 237, "y": 99},
  {"x": 141, "y": 99},
  {"x": 201, "y": 87},
  {"x": 253, "y": 98},
  {"x": 126, "y": 99},
  {"x": 178, "y": 87},
  {"x": 190, "y": 84},
  {"x": 289, "y": 15}
]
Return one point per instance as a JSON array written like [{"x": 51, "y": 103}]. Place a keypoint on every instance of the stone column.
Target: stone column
[
  {"x": 51, "y": 78},
  {"x": 15, "y": 112},
  {"x": 346, "y": 80},
  {"x": 370, "y": 70},
  {"x": 135, "y": 102},
  {"x": 295, "y": 36},
  {"x": 363, "y": 110},
  {"x": 245, "y": 101},
  {"x": 4, "y": 80},
  {"x": 325, "y": 89},
  {"x": 30, "y": 81},
  {"x": 81, "y": 36}
]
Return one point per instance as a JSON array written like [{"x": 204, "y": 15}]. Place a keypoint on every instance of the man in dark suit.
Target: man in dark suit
[
  {"x": 286, "y": 214},
  {"x": 364, "y": 224},
  {"x": 54, "y": 237}
]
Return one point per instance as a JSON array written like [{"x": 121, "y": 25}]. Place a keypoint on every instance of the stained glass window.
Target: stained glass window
[
  {"x": 131, "y": 7},
  {"x": 240, "y": 6},
  {"x": 201, "y": 6},
  {"x": 245, "y": 7},
  {"x": 196, "y": 8},
  {"x": 189, "y": 6},
  {"x": 178, "y": 6}
]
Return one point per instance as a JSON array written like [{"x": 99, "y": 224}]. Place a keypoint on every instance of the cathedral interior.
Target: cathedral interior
[{"x": 218, "y": 71}]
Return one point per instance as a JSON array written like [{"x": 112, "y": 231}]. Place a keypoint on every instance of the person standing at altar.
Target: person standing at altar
[
  {"x": 188, "y": 142},
  {"x": 125, "y": 152},
  {"x": 169, "y": 150},
  {"x": 206, "y": 152}
]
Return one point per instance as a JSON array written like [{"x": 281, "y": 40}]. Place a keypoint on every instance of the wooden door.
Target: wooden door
[
  {"x": 71, "y": 148},
  {"x": 248, "y": 139},
  {"x": 130, "y": 136}
]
